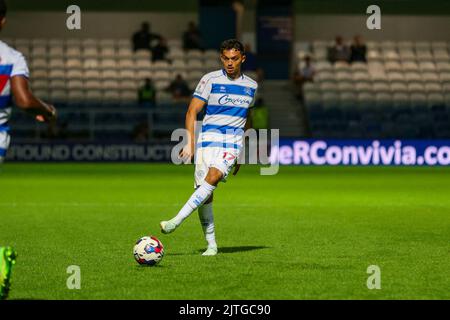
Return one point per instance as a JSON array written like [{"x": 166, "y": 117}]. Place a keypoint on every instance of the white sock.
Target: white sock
[
  {"x": 205, "y": 213},
  {"x": 196, "y": 200}
]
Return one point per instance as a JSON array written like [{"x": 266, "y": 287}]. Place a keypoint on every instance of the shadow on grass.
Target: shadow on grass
[
  {"x": 222, "y": 250},
  {"x": 228, "y": 250}
]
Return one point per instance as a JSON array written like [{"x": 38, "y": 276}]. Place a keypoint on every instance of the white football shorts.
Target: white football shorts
[
  {"x": 4, "y": 144},
  {"x": 219, "y": 158}
]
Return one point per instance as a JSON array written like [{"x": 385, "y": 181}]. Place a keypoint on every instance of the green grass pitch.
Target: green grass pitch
[{"x": 306, "y": 233}]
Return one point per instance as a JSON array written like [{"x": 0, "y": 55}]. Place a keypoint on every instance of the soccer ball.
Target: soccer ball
[{"x": 148, "y": 251}]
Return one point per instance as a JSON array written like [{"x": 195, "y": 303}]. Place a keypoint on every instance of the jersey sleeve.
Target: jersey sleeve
[
  {"x": 203, "y": 89},
  {"x": 20, "y": 67},
  {"x": 252, "y": 104}
]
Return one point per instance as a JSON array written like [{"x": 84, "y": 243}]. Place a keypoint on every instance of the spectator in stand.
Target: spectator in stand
[
  {"x": 339, "y": 51},
  {"x": 147, "y": 94},
  {"x": 143, "y": 38},
  {"x": 179, "y": 88},
  {"x": 304, "y": 74},
  {"x": 160, "y": 50},
  {"x": 358, "y": 50},
  {"x": 250, "y": 63},
  {"x": 192, "y": 38}
]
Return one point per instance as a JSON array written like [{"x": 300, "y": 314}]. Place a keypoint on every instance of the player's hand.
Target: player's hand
[
  {"x": 186, "y": 154},
  {"x": 236, "y": 169},
  {"x": 48, "y": 118}
]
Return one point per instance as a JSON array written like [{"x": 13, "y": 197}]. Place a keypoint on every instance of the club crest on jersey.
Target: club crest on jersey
[{"x": 201, "y": 86}]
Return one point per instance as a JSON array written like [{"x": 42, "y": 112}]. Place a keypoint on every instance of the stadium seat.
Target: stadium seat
[
  {"x": 176, "y": 53},
  {"x": 195, "y": 65},
  {"x": 345, "y": 86},
  {"x": 110, "y": 85},
  {"x": 74, "y": 85},
  {"x": 430, "y": 77},
  {"x": 359, "y": 67},
  {"x": 142, "y": 54},
  {"x": 416, "y": 87},
  {"x": 127, "y": 74},
  {"x": 73, "y": 63},
  {"x": 427, "y": 66},
  {"x": 40, "y": 84},
  {"x": 126, "y": 63},
  {"x": 211, "y": 54},
  {"x": 410, "y": 66},
  {"x": 108, "y": 64},
  {"x": 395, "y": 76},
  {"x": 364, "y": 87},
  {"x": 39, "y": 74},
  {"x": 73, "y": 52},
  {"x": 56, "y": 64},
  {"x": 407, "y": 55},
  {"x": 90, "y": 64},
  {"x": 58, "y": 96},
  {"x": 399, "y": 87},
  {"x": 74, "y": 74},
  {"x": 39, "y": 52},
  {"x": 413, "y": 77},
  {"x": 195, "y": 75},
  {"x": 393, "y": 66},
  {"x": 381, "y": 87},
  {"x": 90, "y": 52},
  {"x": 161, "y": 84},
  {"x": 56, "y": 52},
  {"x": 328, "y": 86},
  {"x": 325, "y": 76},
  {"x": 109, "y": 74},
  {"x": 125, "y": 53},
  {"x": 57, "y": 74},
  {"x": 108, "y": 52},
  {"x": 39, "y": 63},
  {"x": 179, "y": 64},
  {"x": 433, "y": 87},
  {"x": 93, "y": 84},
  {"x": 92, "y": 74},
  {"x": 161, "y": 66},
  {"x": 143, "y": 64},
  {"x": 390, "y": 56}
]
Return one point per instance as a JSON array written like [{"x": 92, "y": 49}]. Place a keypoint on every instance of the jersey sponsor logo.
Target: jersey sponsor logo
[{"x": 226, "y": 99}]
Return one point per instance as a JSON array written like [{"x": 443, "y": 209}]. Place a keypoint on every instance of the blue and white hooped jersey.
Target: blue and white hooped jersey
[
  {"x": 12, "y": 63},
  {"x": 228, "y": 103}
]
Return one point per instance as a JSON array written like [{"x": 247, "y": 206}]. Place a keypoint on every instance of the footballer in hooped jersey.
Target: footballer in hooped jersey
[
  {"x": 14, "y": 76},
  {"x": 228, "y": 95}
]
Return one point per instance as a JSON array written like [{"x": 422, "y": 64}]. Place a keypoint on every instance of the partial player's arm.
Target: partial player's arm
[
  {"x": 195, "y": 107},
  {"x": 25, "y": 100}
]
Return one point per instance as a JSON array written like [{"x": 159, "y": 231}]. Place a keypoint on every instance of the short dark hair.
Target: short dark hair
[
  {"x": 3, "y": 8},
  {"x": 232, "y": 44}
]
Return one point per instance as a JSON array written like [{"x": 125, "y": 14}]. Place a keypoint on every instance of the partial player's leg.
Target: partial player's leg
[
  {"x": 205, "y": 213},
  {"x": 7, "y": 260},
  {"x": 199, "y": 197}
]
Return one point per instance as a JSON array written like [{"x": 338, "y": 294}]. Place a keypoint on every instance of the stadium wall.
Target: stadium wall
[{"x": 50, "y": 24}]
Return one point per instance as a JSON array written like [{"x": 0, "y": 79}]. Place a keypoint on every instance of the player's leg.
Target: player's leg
[
  {"x": 199, "y": 197},
  {"x": 7, "y": 260},
  {"x": 205, "y": 213}
]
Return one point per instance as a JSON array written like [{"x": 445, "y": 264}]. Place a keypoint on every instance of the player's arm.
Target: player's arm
[
  {"x": 25, "y": 100},
  {"x": 196, "y": 105}
]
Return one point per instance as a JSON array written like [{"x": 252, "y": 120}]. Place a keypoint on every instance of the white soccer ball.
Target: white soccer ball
[{"x": 148, "y": 251}]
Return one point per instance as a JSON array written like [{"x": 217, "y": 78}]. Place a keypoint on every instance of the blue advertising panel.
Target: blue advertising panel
[{"x": 362, "y": 152}]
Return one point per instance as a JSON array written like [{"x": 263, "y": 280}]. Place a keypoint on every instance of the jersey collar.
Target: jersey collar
[{"x": 226, "y": 75}]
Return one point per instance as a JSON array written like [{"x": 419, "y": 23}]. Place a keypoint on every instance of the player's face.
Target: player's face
[{"x": 232, "y": 61}]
